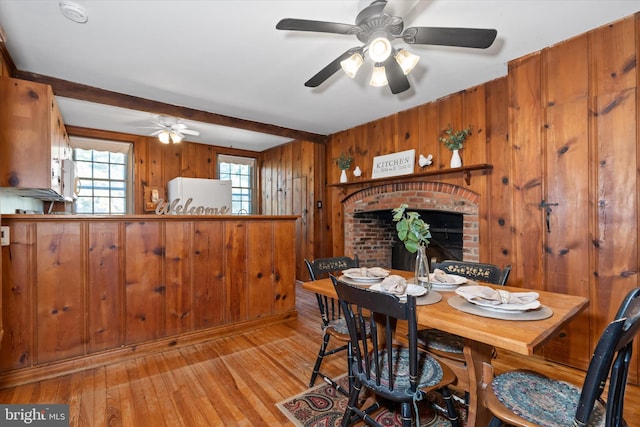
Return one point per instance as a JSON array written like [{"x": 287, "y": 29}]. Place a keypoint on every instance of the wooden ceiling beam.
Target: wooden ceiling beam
[{"x": 83, "y": 92}]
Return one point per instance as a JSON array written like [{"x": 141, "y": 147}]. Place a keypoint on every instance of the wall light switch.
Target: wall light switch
[{"x": 4, "y": 230}]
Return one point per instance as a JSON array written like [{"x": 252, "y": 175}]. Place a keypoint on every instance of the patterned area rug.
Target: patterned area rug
[{"x": 323, "y": 406}]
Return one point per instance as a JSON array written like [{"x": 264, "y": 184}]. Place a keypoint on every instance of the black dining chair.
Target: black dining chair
[
  {"x": 448, "y": 346},
  {"x": 333, "y": 323},
  {"x": 525, "y": 398},
  {"x": 389, "y": 364}
]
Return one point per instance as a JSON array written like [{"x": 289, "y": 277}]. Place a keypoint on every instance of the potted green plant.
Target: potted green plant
[
  {"x": 415, "y": 234},
  {"x": 412, "y": 230},
  {"x": 454, "y": 141},
  {"x": 344, "y": 163}
]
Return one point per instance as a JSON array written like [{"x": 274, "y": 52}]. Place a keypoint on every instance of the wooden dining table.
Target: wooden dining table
[{"x": 482, "y": 335}]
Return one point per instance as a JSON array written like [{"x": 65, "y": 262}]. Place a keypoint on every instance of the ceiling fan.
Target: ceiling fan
[
  {"x": 171, "y": 129},
  {"x": 376, "y": 29}
]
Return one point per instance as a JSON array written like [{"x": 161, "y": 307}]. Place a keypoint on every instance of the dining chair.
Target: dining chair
[
  {"x": 448, "y": 346},
  {"x": 488, "y": 273},
  {"x": 385, "y": 363},
  {"x": 333, "y": 323},
  {"x": 526, "y": 398}
]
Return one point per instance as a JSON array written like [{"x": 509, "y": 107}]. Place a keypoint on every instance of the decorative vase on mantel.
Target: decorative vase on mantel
[
  {"x": 456, "y": 161},
  {"x": 422, "y": 269},
  {"x": 343, "y": 176}
]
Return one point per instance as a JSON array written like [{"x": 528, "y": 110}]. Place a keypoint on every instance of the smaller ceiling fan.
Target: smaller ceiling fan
[
  {"x": 377, "y": 29},
  {"x": 171, "y": 129}
]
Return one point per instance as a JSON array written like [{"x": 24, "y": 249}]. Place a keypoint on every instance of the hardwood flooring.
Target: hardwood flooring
[{"x": 232, "y": 381}]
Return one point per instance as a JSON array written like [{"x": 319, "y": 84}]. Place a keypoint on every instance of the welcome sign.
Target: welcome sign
[{"x": 394, "y": 164}]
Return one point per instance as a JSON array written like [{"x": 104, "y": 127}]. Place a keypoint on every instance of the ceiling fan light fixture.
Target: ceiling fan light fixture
[
  {"x": 164, "y": 136},
  {"x": 352, "y": 64},
  {"x": 406, "y": 60},
  {"x": 379, "y": 48},
  {"x": 378, "y": 76},
  {"x": 176, "y": 137}
]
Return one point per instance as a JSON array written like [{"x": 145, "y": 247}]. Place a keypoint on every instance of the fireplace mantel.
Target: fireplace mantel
[{"x": 465, "y": 170}]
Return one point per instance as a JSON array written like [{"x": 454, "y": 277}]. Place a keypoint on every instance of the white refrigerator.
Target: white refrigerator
[{"x": 193, "y": 196}]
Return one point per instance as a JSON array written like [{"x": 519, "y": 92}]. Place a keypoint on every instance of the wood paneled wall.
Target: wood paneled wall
[{"x": 293, "y": 183}]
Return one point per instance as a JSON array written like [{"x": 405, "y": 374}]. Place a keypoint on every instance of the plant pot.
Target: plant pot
[
  {"x": 456, "y": 161},
  {"x": 343, "y": 176}
]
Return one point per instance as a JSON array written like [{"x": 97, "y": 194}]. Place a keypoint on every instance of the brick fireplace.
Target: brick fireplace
[{"x": 369, "y": 232}]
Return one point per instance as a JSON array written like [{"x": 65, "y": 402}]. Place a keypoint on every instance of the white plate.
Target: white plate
[
  {"x": 443, "y": 286},
  {"x": 358, "y": 278},
  {"x": 414, "y": 290},
  {"x": 459, "y": 280},
  {"x": 370, "y": 274},
  {"x": 506, "y": 308}
]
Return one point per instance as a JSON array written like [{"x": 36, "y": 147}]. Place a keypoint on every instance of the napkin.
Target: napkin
[
  {"x": 366, "y": 272},
  {"x": 394, "y": 285},
  {"x": 442, "y": 277},
  {"x": 487, "y": 295}
]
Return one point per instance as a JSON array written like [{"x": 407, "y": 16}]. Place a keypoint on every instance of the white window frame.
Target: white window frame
[
  {"x": 113, "y": 147},
  {"x": 246, "y": 161}
]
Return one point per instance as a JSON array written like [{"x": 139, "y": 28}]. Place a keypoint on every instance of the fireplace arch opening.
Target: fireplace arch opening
[{"x": 451, "y": 212}]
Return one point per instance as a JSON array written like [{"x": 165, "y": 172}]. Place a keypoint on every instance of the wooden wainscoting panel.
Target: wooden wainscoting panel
[
  {"x": 209, "y": 274},
  {"x": 59, "y": 292},
  {"x": 235, "y": 240},
  {"x": 178, "y": 277},
  {"x": 284, "y": 273},
  {"x": 18, "y": 310},
  {"x": 105, "y": 278},
  {"x": 259, "y": 266},
  {"x": 144, "y": 250}
]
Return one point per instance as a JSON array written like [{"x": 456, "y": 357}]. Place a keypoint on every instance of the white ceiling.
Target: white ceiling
[{"x": 226, "y": 57}]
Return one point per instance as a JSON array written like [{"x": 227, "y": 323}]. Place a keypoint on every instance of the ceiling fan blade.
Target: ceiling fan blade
[
  {"x": 396, "y": 79},
  {"x": 158, "y": 132},
  {"x": 189, "y": 132},
  {"x": 462, "y": 37},
  {"x": 329, "y": 70},
  {"x": 316, "y": 26},
  {"x": 400, "y": 7}
]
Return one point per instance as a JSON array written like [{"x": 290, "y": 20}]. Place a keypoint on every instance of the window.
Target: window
[
  {"x": 104, "y": 171},
  {"x": 241, "y": 172}
]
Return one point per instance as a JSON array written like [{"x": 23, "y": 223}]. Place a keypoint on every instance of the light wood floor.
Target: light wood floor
[{"x": 232, "y": 381}]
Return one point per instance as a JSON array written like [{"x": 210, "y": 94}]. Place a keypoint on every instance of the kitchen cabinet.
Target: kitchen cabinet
[{"x": 33, "y": 139}]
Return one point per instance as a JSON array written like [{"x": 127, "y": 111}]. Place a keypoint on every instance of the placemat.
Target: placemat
[
  {"x": 459, "y": 303},
  {"x": 431, "y": 298}
]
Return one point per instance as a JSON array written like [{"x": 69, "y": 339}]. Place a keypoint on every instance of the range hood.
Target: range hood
[{"x": 44, "y": 194}]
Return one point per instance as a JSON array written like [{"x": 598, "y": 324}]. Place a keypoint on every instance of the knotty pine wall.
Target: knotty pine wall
[
  {"x": 561, "y": 127},
  {"x": 293, "y": 183}
]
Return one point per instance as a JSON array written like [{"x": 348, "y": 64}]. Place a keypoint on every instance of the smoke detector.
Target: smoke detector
[{"x": 73, "y": 11}]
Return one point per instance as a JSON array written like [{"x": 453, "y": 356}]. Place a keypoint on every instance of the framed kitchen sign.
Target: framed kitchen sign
[{"x": 394, "y": 164}]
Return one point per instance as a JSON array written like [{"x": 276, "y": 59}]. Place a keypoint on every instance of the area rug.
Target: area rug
[{"x": 323, "y": 406}]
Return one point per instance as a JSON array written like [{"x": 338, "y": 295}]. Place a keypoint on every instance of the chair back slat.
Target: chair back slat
[
  {"x": 320, "y": 268},
  {"x": 489, "y": 273}
]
